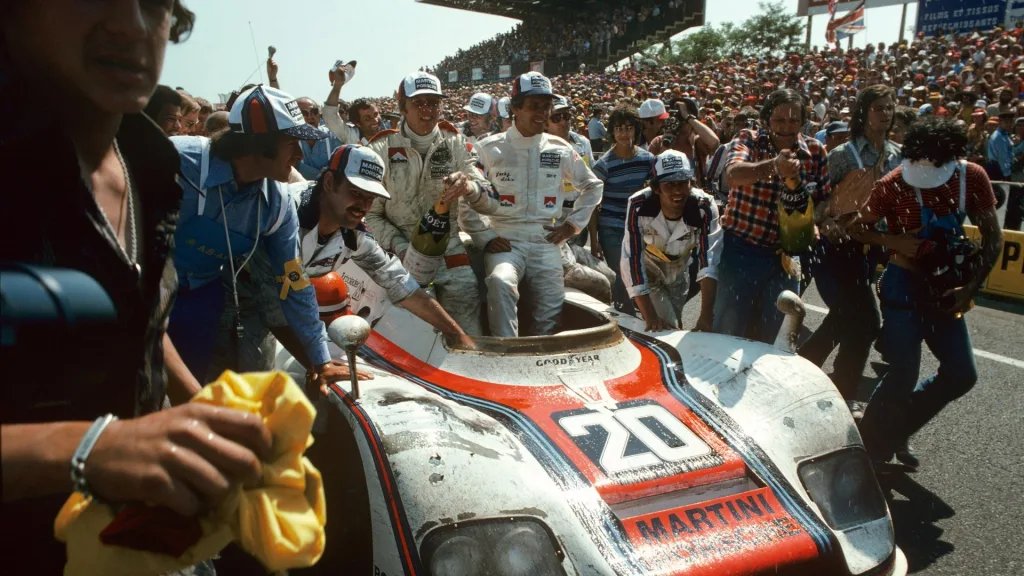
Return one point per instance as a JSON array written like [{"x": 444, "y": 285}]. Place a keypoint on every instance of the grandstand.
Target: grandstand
[{"x": 557, "y": 36}]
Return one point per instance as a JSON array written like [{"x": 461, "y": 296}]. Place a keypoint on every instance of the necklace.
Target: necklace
[{"x": 131, "y": 233}]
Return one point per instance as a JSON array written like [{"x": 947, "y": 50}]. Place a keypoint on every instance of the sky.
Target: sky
[{"x": 389, "y": 39}]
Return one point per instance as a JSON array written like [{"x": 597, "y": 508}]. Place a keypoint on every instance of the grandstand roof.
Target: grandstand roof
[{"x": 518, "y": 9}]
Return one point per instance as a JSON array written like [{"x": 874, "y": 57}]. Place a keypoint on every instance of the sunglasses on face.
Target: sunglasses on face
[
  {"x": 562, "y": 117},
  {"x": 311, "y": 112}
]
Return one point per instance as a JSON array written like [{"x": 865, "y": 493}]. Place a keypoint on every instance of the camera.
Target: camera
[{"x": 949, "y": 260}]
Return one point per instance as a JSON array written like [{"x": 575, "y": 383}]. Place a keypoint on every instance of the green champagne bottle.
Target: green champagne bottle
[{"x": 429, "y": 244}]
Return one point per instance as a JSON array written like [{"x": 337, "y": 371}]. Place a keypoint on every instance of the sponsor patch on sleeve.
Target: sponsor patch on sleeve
[
  {"x": 550, "y": 201},
  {"x": 550, "y": 160},
  {"x": 506, "y": 200}
]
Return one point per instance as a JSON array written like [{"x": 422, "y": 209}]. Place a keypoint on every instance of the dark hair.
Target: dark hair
[
  {"x": 517, "y": 102},
  {"x": 162, "y": 96},
  {"x": 780, "y": 97},
  {"x": 624, "y": 114},
  {"x": 936, "y": 139},
  {"x": 228, "y": 144},
  {"x": 235, "y": 94},
  {"x": 865, "y": 99},
  {"x": 906, "y": 114},
  {"x": 357, "y": 108},
  {"x": 204, "y": 106},
  {"x": 182, "y": 21}
]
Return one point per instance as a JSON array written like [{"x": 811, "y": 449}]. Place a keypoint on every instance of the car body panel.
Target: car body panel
[{"x": 675, "y": 454}]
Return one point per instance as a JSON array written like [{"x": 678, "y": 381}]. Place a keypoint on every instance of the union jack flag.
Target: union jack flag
[{"x": 848, "y": 25}]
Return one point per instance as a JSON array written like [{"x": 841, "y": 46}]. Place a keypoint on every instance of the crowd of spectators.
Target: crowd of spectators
[
  {"x": 583, "y": 35},
  {"x": 973, "y": 77}
]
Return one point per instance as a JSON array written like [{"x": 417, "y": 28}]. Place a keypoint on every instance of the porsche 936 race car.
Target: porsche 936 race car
[{"x": 600, "y": 450}]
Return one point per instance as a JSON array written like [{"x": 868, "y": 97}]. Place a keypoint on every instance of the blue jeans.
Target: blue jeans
[
  {"x": 900, "y": 405},
  {"x": 750, "y": 279},
  {"x": 193, "y": 326},
  {"x": 611, "y": 245},
  {"x": 843, "y": 274}
]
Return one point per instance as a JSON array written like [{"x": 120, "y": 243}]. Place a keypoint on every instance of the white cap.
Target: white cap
[
  {"x": 560, "y": 103},
  {"x": 505, "y": 107},
  {"x": 420, "y": 83},
  {"x": 672, "y": 166},
  {"x": 653, "y": 109},
  {"x": 480, "y": 103},
  {"x": 263, "y": 110},
  {"x": 363, "y": 168},
  {"x": 532, "y": 84}
]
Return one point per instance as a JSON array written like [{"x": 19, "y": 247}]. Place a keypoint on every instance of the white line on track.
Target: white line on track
[{"x": 989, "y": 355}]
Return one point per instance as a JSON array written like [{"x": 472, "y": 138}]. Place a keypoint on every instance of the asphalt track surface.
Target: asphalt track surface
[{"x": 962, "y": 513}]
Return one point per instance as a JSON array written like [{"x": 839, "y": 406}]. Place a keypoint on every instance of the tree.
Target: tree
[
  {"x": 773, "y": 31},
  {"x": 705, "y": 45}
]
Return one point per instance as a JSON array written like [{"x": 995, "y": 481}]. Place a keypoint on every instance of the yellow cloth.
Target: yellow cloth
[{"x": 281, "y": 522}]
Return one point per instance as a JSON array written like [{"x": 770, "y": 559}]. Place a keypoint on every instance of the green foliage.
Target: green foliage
[{"x": 772, "y": 31}]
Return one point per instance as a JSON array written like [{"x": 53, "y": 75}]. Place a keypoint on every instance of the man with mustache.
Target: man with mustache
[{"x": 763, "y": 167}]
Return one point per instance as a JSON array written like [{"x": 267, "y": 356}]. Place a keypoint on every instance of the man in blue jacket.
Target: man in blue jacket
[{"x": 235, "y": 196}]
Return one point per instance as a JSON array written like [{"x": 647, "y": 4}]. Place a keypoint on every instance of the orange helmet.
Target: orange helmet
[{"x": 331, "y": 295}]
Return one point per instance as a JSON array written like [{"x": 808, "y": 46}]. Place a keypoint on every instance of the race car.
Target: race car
[{"x": 599, "y": 450}]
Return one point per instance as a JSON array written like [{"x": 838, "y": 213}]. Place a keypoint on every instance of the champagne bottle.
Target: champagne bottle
[
  {"x": 428, "y": 245},
  {"x": 796, "y": 220}
]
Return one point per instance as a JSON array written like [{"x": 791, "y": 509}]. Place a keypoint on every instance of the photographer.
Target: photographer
[
  {"x": 928, "y": 195},
  {"x": 686, "y": 133},
  {"x": 105, "y": 209}
]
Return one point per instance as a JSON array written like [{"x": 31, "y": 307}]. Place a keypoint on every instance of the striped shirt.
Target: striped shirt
[{"x": 622, "y": 179}]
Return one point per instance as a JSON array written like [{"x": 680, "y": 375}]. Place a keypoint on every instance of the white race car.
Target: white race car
[{"x": 600, "y": 450}]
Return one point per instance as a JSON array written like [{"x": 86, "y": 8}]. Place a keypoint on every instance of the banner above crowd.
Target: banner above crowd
[{"x": 960, "y": 15}]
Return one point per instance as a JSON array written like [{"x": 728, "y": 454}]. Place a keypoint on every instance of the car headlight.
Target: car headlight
[
  {"x": 493, "y": 547},
  {"x": 843, "y": 486}
]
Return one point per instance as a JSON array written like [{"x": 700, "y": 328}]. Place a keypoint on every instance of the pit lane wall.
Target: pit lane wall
[{"x": 1007, "y": 277}]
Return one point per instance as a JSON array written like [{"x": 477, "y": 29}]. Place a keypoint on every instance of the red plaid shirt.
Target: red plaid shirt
[{"x": 752, "y": 210}]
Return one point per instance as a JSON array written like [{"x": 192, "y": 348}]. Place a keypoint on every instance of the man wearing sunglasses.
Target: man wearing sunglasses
[
  {"x": 420, "y": 155},
  {"x": 315, "y": 153}
]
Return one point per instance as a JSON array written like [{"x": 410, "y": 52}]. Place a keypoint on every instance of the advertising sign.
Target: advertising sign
[
  {"x": 505, "y": 71},
  {"x": 453, "y": 76},
  {"x": 478, "y": 73},
  {"x": 537, "y": 66},
  {"x": 959, "y": 16}
]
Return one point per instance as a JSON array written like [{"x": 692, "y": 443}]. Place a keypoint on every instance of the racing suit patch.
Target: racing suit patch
[
  {"x": 549, "y": 201},
  {"x": 550, "y": 160},
  {"x": 294, "y": 278},
  {"x": 506, "y": 200},
  {"x": 397, "y": 156}
]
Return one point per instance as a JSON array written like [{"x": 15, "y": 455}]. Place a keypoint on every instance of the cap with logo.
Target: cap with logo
[
  {"x": 653, "y": 109},
  {"x": 672, "y": 166},
  {"x": 263, "y": 110},
  {"x": 480, "y": 103},
  {"x": 505, "y": 107},
  {"x": 560, "y": 103},
  {"x": 532, "y": 84},
  {"x": 362, "y": 167},
  {"x": 419, "y": 83}
]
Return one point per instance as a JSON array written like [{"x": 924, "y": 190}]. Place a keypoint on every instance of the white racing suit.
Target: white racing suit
[
  {"x": 581, "y": 269},
  {"x": 528, "y": 175},
  {"x": 656, "y": 252},
  {"x": 347, "y": 132},
  {"x": 258, "y": 295},
  {"x": 415, "y": 183}
]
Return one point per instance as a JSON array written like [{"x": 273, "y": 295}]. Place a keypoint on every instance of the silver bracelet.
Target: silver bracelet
[{"x": 82, "y": 453}]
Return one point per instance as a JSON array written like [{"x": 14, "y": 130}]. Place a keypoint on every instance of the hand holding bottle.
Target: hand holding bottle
[{"x": 456, "y": 185}]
